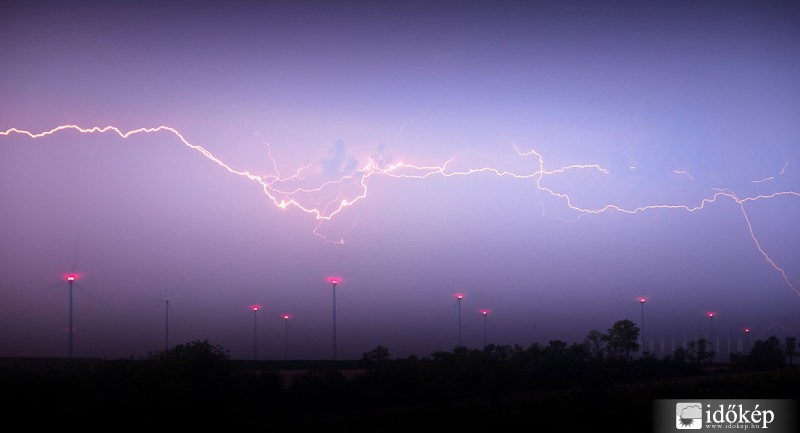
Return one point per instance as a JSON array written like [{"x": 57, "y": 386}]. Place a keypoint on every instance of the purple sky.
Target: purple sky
[{"x": 651, "y": 105}]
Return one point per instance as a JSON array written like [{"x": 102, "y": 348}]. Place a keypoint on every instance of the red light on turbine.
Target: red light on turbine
[
  {"x": 642, "y": 300},
  {"x": 70, "y": 277},
  {"x": 747, "y": 330},
  {"x": 334, "y": 280},
  {"x": 484, "y": 312},
  {"x": 459, "y": 296},
  {"x": 710, "y": 314},
  {"x": 255, "y": 307},
  {"x": 286, "y": 316}
]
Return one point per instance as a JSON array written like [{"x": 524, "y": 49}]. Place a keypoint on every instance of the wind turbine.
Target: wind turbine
[
  {"x": 166, "y": 324},
  {"x": 255, "y": 309},
  {"x": 485, "y": 313},
  {"x": 459, "y": 297},
  {"x": 166, "y": 302},
  {"x": 286, "y": 336},
  {"x": 334, "y": 282},
  {"x": 70, "y": 280}
]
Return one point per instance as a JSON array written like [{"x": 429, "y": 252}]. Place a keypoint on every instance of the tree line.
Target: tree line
[{"x": 198, "y": 382}]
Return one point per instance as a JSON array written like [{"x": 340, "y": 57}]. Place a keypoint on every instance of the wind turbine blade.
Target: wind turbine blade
[
  {"x": 40, "y": 292},
  {"x": 314, "y": 273},
  {"x": 353, "y": 271},
  {"x": 173, "y": 293},
  {"x": 75, "y": 255},
  {"x": 84, "y": 290}
]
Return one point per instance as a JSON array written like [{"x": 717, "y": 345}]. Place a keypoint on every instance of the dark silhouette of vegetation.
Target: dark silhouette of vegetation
[
  {"x": 622, "y": 339},
  {"x": 790, "y": 347},
  {"x": 595, "y": 343},
  {"x": 560, "y": 386},
  {"x": 699, "y": 351},
  {"x": 764, "y": 355},
  {"x": 376, "y": 357}
]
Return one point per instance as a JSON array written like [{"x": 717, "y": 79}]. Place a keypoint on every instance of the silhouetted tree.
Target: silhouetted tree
[
  {"x": 554, "y": 352},
  {"x": 766, "y": 354},
  {"x": 375, "y": 360},
  {"x": 596, "y": 344},
  {"x": 519, "y": 359},
  {"x": 195, "y": 352},
  {"x": 196, "y": 385},
  {"x": 534, "y": 353},
  {"x": 379, "y": 354},
  {"x": 578, "y": 353},
  {"x": 680, "y": 354},
  {"x": 622, "y": 339},
  {"x": 699, "y": 351},
  {"x": 498, "y": 353},
  {"x": 790, "y": 347},
  {"x": 191, "y": 374}
]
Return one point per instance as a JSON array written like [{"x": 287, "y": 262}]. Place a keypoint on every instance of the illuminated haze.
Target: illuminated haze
[{"x": 659, "y": 105}]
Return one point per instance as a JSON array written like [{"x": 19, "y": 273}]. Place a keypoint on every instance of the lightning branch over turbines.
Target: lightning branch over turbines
[{"x": 325, "y": 198}]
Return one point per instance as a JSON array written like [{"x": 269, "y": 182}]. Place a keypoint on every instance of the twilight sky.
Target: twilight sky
[{"x": 598, "y": 152}]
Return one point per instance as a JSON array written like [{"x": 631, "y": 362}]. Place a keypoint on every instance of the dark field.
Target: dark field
[{"x": 463, "y": 390}]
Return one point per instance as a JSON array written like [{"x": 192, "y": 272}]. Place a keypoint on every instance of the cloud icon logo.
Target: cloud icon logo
[{"x": 689, "y": 416}]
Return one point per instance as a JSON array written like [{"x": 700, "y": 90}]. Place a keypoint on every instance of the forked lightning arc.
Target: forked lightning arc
[{"x": 327, "y": 198}]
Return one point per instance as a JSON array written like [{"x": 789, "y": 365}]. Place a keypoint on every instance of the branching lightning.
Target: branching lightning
[
  {"x": 684, "y": 172},
  {"x": 325, "y": 199}
]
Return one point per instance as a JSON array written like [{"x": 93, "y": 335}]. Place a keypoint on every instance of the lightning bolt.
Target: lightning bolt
[
  {"x": 325, "y": 199},
  {"x": 769, "y": 178},
  {"x": 684, "y": 172}
]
